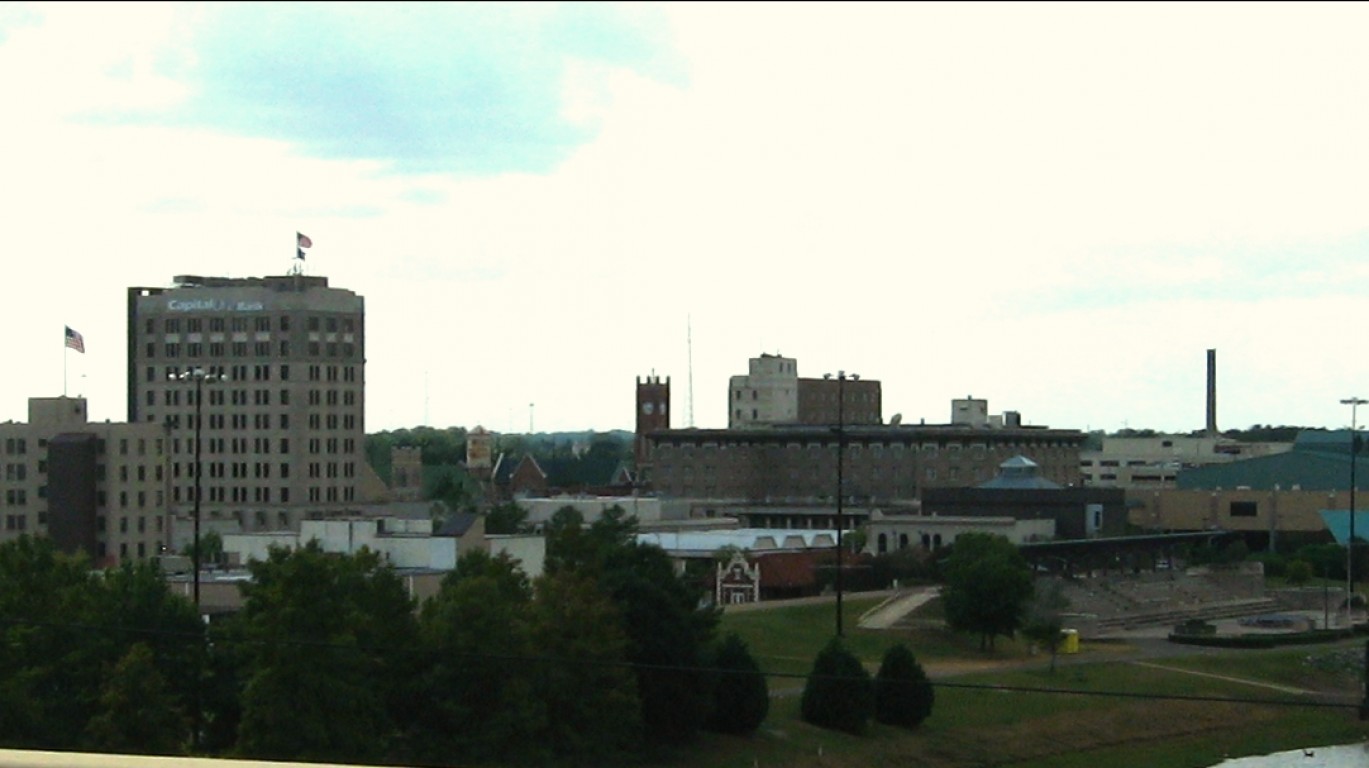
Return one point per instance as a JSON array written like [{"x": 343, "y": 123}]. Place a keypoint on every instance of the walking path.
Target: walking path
[
  {"x": 1242, "y": 680},
  {"x": 892, "y": 610}
]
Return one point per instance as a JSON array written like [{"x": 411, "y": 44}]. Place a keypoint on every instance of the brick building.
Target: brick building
[{"x": 882, "y": 463}]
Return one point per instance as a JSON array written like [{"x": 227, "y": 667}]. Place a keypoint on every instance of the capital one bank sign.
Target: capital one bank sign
[{"x": 212, "y": 305}]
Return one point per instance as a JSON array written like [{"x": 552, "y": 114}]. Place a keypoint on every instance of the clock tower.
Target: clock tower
[{"x": 653, "y": 414}]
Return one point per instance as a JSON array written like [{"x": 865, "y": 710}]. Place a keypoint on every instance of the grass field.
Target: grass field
[{"x": 1098, "y": 709}]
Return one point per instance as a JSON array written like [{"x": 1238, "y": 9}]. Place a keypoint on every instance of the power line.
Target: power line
[{"x": 524, "y": 659}]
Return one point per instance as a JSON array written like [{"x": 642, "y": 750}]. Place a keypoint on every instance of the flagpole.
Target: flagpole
[{"x": 65, "y": 351}]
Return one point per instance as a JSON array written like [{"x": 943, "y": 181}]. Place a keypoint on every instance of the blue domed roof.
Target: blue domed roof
[{"x": 1019, "y": 472}]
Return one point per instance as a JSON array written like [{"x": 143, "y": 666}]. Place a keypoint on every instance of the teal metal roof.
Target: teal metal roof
[
  {"x": 1019, "y": 472},
  {"x": 1319, "y": 461},
  {"x": 1338, "y": 523}
]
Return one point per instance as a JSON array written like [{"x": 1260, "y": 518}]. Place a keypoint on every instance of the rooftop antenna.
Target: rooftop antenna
[{"x": 689, "y": 345}]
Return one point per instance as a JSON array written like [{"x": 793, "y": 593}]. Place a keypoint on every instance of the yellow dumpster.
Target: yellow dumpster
[{"x": 1069, "y": 641}]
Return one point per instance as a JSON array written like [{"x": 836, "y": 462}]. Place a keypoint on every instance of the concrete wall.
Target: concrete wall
[
  {"x": 540, "y": 511},
  {"x": 768, "y": 394},
  {"x": 1233, "y": 510},
  {"x": 931, "y": 532},
  {"x": 402, "y": 543},
  {"x": 530, "y": 551}
]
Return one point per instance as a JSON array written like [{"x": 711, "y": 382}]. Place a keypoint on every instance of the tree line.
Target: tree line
[
  {"x": 606, "y": 657},
  {"x": 609, "y": 657}
]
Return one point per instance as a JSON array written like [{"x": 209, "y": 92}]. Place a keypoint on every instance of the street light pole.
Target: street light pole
[
  {"x": 841, "y": 483},
  {"x": 1354, "y": 403},
  {"x": 841, "y": 490},
  {"x": 200, "y": 378}
]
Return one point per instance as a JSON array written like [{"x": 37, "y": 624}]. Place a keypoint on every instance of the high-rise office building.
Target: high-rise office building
[{"x": 284, "y": 402}]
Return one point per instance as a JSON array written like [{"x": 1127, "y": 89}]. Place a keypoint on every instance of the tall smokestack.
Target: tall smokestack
[{"x": 1212, "y": 393}]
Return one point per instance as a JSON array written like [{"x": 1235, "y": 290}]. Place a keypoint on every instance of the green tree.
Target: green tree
[
  {"x": 451, "y": 486},
  {"x": 506, "y": 519},
  {"x": 741, "y": 698},
  {"x": 987, "y": 586},
  {"x": 839, "y": 693},
  {"x": 135, "y": 599},
  {"x": 1044, "y": 622},
  {"x": 67, "y": 627},
  {"x": 589, "y": 694},
  {"x": 211, "y": 548},
  {"x": 856, "y": 540},
  {"x": 903, "y": 693},
  {"x": 1298, "y": 572},
  {"x": 138, "y": 714},
  {"x": 324, "y": 673},
  {"x": 225, "y": 676},
  {"x": 668, "y": 629},
  {"x": 475, "y": 633},
  {"x": 1327, "y": 560},
  {"x": 50, "y": 665}
]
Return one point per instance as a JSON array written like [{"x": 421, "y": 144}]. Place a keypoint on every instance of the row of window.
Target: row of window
[
  {"x": 854, "y": 446},
  {"x": 172, "y": 397},
  {"x": 217, "y": 421},
  {"x": 1115, "y": 463},
  {"x": 238, "y": 494},
  {"x": 863, "y": 473},
  {"x": 236, "y": 324},
  {"x": 240, "y": 372},
  {"x": 219, "y": 349}
]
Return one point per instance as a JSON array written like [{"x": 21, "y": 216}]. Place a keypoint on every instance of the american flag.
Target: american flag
[{"x": 75, "y": 341}]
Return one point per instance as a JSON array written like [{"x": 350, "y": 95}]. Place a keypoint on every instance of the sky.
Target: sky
[{"x": 1055, "y": 207}]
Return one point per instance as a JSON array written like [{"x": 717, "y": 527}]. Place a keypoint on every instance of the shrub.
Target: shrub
[
  {"x": 1298, "y": 572},
  {"x": 903, "y": 694},
  {"x": 839, "y": 693},
  {"x": 741, "y": 699}
]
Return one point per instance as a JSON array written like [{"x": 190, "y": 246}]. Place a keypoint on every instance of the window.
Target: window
[{"x": 1244, "y": 508}]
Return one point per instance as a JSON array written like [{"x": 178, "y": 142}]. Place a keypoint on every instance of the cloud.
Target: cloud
[{"x": 470, "y": 89}]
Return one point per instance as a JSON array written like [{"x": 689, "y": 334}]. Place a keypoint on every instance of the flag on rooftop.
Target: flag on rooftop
[
  {"x": 303, "y": 241},
  {"x": 74, "y": 340}
]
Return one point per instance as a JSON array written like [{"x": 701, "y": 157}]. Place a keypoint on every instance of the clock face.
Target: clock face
[{"x": 648, "y": 408}]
